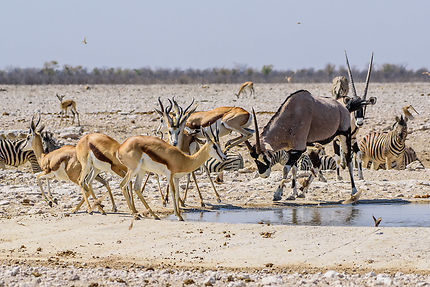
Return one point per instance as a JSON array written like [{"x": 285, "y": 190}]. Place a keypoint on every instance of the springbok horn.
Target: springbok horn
[
  {"x": 168, "y": 109},
  {"x": 38, "y": 119},
  {"x": 178, "y": 110},
  {"x": 368, "y": 77},
  {"x": 161, "y": 104},
  {"x": 186, "y": 110},
  {"x": 257, "y": 134},
  {"x": 350, "y": 77}
]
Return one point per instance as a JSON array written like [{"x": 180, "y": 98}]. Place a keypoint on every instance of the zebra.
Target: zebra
[
  {"x": 12, "y": 153},
  {"x": 232, "y": 163},
  {"x": 385, "y": 147},
  {"x": 409, "y": 156},
  {"x": 327, "y": 162}
]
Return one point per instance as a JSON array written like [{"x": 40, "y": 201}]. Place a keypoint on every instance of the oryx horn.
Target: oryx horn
[
  {"x": 368, "y": 77},
  {"x": 257, "y": 134},
  {"x": 350, "y": 77}
]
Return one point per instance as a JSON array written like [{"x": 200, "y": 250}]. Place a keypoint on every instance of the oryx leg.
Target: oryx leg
[
  {"x": 345, "y": 141},
  {"x": 337, "y": 158},
  {"x": 358, "y": 160},
  {"x": 294, "y": 155}
]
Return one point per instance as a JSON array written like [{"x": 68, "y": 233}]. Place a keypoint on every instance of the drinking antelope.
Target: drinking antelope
[
  {"x": 143, "y": 154},
  {"x": 302, "y": 120},
  {"x": 66, "y": 105},
  {"x": 246, "y": 86}
]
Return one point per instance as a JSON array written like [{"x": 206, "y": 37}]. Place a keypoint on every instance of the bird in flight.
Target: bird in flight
[
  {"x": 84, "y": 41},
  {"x": 377, "y": 221}
]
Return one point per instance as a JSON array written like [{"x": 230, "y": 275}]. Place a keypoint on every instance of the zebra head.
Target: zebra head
[
  {"x": 357, "y": 104},
  {"x": 400, "y": 127},
  {"x": 174, "y": 124},
  {"x": 261, "y": 159}
]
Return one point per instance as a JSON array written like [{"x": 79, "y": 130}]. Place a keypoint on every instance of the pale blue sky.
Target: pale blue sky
[{"x": 223, "y": 33}]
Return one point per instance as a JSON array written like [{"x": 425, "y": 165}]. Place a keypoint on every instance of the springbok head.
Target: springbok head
[
  {"x": 175, "y": 125},
  {"x": 261, "y": 158},
  {"x": 357, "y": 104},
  {"x": 60, "y": 97},
  {"x": 34, "y": 131},
  {"x": 212, "y": 137}
]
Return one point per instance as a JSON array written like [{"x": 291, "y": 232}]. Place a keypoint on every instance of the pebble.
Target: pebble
[
  {"x": 4, "y": 202},
  {"x": 331, "y": 274}
]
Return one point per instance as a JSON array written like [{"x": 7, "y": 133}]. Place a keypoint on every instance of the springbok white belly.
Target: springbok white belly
[
  {"x": 98, "y": 164},
  {"x": 147, "y": 164},
  {"x": 60, "y": 173}
]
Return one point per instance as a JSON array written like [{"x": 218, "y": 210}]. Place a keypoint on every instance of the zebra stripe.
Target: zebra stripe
[
  {"x": 327, "y": 162},
  {"x": 11, "y": 153},
  {"x": 377, "y": 147},
  {"x": 232, "y": 163}
]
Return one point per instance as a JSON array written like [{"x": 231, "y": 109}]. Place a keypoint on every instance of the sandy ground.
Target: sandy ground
[{"x": 84, "y": 241}]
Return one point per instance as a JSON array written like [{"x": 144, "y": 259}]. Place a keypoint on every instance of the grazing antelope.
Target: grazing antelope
[
  {"x": 228, "y": 119},
  {"x": 60, "y": 163},
  {"x": 300, "y": 121},
  {"x": 143, "y": 154},
  {"x": 66, "y": 105},
  {"x": 246, "y": 86},
  {"x": 96, "y": 153},
  {"x": 340, "y": 91}
]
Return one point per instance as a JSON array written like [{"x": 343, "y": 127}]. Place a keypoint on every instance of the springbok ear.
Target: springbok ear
[
  {"x": 372, "y": 100},
  {"x": 346, "y": 100}
]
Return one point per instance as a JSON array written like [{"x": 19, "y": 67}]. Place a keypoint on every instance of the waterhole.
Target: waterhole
[{"x": 398, "y": 214}]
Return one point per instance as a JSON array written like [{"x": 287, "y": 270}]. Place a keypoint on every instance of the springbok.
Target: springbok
[
  {"x": 358, "y": 117},
  {"x": 60, "y": 163},
  {"x": 246, "y": 86},
  {"x": 96, "y": 153},
  {"x": 227, "y": 119},
  {"x": 300, "y": 121},
  {"x": 143, "y": 154},
  {"x": 66, "y": 105},
  {"x": 185, "y": 142}
]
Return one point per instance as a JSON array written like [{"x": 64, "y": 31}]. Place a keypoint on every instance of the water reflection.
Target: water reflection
[{"x": 339, "y": 215}]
